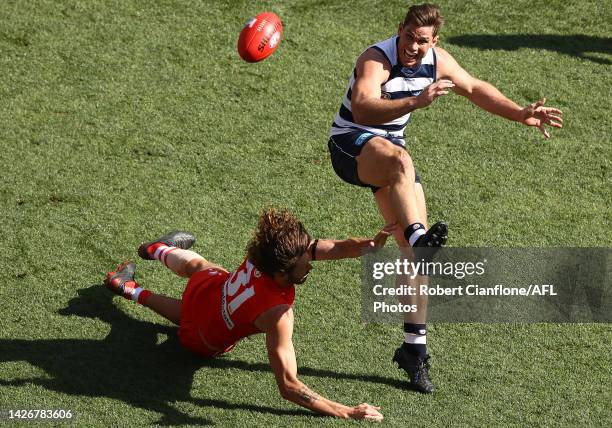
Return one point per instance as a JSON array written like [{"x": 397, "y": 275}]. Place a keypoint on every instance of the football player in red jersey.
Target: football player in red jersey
[{"x": 218, "y": 308}]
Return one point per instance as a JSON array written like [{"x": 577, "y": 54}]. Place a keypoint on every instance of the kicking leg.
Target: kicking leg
[{"x": 384, "y": 164}]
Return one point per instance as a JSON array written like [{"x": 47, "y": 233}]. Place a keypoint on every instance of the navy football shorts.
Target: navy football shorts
[{"x": 344, "y": 148}]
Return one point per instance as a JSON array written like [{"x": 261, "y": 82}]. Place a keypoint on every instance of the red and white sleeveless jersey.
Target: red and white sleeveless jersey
[{"x": 225, "y": 309}]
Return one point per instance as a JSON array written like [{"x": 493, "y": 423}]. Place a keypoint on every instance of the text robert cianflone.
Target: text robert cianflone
[
  {"x": 467, "y": 290},
  {"x": 405, "y": 267}
]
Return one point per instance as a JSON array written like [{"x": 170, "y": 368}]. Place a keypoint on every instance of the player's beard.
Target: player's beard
[{"x": 298, "y": 281}]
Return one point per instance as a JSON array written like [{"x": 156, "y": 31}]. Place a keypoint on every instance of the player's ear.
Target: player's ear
[
  {"x": 434, "y": 41},
  {"x": 400, "y": 28}
]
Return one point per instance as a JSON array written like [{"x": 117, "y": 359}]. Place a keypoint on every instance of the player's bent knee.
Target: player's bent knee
[
  {"x": 401, "y": 165},
  {"x": 382, "y": 163},
  {"x": 195, "y": 265}
]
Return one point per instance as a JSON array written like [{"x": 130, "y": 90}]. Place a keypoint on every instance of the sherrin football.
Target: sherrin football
[{"x": 260, "y": 37}]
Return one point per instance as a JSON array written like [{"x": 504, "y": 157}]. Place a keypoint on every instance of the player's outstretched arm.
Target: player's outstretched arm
[
  {"x": 277, "y": 324},
  {"x": 489, "y": 98},
  {"x": 332, "y": 249}
]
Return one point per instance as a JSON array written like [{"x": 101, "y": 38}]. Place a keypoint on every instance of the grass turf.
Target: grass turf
[{"x": 121, "y": 120}]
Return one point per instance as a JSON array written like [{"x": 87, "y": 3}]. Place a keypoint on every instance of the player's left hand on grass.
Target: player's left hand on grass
[
  {"x": 366, "y": 411},
  {"x": 536, "y": 114},
  {"x": 380, "y": 239}
]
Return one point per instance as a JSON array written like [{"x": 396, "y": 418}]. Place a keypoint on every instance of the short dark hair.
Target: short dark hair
[
  {"x": 279, "y": 240},
  {"x": 425, "y": 15}
]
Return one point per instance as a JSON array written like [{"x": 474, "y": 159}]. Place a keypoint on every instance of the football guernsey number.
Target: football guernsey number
[{"x": 231, "y": 298}]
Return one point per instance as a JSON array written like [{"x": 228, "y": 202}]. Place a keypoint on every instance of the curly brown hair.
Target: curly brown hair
[
  {"x": 425, "y": 15},
  {"x": 279, "y": 240}
]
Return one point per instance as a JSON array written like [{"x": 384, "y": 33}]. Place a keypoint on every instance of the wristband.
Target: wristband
[{"x": 314, "y": 248}]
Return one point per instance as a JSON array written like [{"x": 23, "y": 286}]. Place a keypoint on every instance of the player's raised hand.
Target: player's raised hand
[
  {"x": 537, "y": 115},
  {"x": 434, "y": 91},
  {"x": 367, "y": 412}
]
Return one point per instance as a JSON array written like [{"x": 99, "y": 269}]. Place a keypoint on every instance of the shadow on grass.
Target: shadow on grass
[
  {"x": 577, "y": 45},
  {"x": 129, "y": 365}
]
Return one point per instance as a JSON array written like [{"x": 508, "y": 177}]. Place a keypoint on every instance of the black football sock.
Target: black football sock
[
  {"x": 414, "y": 232},
  {"x": 415, "y": 339}
]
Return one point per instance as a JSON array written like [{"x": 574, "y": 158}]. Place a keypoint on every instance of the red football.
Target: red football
[{"x": 260, "y": 37}]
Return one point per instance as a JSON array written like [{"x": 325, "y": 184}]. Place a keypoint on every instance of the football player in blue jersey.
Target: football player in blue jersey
[{"x": 390, "y": 80}]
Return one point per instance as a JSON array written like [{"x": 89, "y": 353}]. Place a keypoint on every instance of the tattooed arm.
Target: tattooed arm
[{"x": 277, "y": 323}]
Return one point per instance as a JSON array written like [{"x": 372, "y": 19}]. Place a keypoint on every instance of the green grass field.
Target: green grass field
[{"x": 123, "y": 119}]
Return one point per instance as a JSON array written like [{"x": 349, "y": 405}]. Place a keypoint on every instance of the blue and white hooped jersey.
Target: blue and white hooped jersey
[{"x": 403, "y": 82}]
